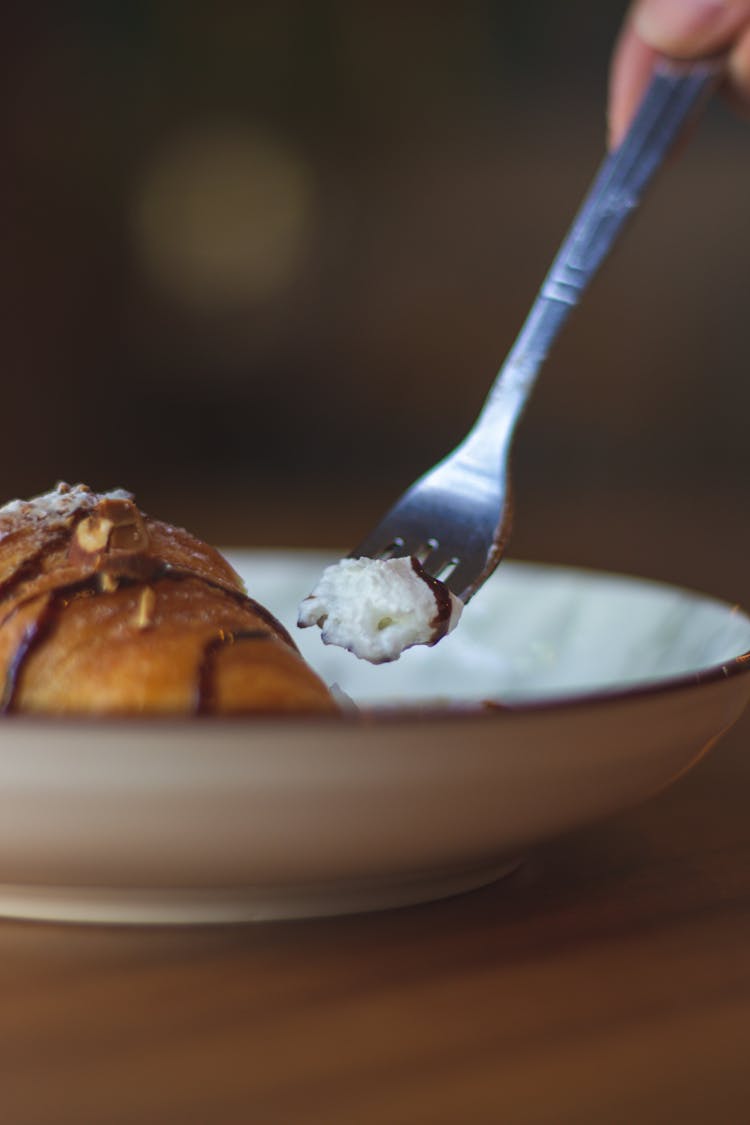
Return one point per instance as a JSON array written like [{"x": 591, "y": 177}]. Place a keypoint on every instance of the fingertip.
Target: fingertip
[
  {"x": 689, "y": 28},
  {"x": 632, "y": 64},
  {"x": 738, "y": 73}
]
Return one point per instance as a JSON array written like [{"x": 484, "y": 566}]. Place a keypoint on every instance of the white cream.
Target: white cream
[{"x": 376, "y": 608}]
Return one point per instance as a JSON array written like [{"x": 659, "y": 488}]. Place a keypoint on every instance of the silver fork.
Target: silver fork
[{"x": 456, "y": 518}]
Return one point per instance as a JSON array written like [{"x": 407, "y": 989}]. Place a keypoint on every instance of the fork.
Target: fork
[{"x": 456, "y": 518}]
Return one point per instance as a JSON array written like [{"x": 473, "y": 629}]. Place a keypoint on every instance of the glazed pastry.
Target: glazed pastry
[{"x": 105, "y": 610}]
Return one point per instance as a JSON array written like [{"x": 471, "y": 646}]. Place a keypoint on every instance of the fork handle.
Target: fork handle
[{"x": 674, "y": 91}]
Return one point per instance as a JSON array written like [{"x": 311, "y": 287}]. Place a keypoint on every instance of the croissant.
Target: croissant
[{"x": 105, "y": 610}]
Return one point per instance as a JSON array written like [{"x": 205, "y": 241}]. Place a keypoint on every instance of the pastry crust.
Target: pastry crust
[{"x": 105, "y": 610}]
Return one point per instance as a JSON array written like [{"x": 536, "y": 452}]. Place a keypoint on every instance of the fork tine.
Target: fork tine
[
  {"x": 461, "y": 580},
  {"x": 380, "y": 545},
  {"x": 388, "y": 540},
  {"x": 438, "y": 559}
]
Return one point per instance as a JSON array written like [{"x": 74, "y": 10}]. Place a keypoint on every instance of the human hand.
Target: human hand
[{"x": 683, "y": 29}]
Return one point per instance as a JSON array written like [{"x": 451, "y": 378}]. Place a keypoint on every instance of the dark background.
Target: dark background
[{"x": 261, "y": 261}]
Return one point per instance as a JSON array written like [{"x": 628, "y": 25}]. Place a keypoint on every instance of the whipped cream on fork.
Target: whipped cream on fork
[{"x": 377, "y": 608}]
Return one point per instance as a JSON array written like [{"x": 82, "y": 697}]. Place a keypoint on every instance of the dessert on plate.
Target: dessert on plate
[{"x": 104, "y": 610}]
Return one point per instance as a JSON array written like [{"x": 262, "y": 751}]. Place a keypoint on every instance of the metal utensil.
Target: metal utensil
[{"x": 456, "y": 518}]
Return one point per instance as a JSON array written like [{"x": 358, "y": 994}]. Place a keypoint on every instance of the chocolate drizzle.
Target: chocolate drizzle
[
  {"x": 440, "y": 623},
  {"x": 167, "y": 570},
  {"x": 205, "y": 703},
  {"x": 34, "y": 633}
]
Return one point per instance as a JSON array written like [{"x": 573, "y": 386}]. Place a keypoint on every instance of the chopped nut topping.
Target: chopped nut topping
[
  {"x": 144, "y": 615},
  {"x": 92, "y": 534},
  {"x": 129, "y": 532},
  {"x": 119, "y": 510},
  {"x": 108, "y": 583}
]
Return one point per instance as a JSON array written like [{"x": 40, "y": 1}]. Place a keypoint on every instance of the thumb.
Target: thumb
[{"x": 689, "y": 28}]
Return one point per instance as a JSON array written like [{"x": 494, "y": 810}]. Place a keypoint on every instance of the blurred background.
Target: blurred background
[{"x": 260, "y": 263}]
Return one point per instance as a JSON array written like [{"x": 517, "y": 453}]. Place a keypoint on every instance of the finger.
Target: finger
[
  {"x": 739, "y": 74},
  {"x": 632, "y": 63},
  {"x": 687, "y": 29}
]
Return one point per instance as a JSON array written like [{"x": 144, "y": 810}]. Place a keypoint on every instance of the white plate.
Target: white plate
[{"x": 615, "y": 687}]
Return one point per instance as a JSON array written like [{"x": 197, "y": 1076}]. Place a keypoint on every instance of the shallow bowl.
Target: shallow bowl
[{"x": 562, "y": 697}]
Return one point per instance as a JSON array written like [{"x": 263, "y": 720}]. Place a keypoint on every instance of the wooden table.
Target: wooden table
[{"x": 606, "y": 981}]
